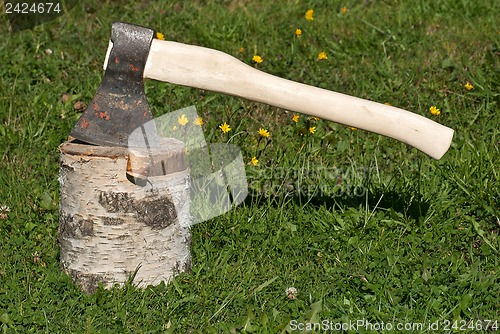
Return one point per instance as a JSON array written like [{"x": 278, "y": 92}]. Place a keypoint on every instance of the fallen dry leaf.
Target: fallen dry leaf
[
  {"x": 80, "y": 106},
  {"x": 64, "y": 97}
]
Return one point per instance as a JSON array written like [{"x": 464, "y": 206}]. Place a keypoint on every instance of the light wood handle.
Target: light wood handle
[{"x": 213, "y": 70}]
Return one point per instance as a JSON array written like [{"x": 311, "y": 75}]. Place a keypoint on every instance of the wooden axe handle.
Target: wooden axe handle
[{"x": 213, "y": 70}]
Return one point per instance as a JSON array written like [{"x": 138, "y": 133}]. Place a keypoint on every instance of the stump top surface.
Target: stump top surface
[{"x": 74, "y": 147}]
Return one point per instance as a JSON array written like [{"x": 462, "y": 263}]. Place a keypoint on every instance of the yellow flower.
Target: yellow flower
[
  {"x": 312, "y": 129},
  {"x": 264, "y": 133},
  {"x": 309, "y": 15},
  {"x": 353, "y": 128},
  {"x": 468, "y": 86},
  {"x": 295, "y": 118},
  {"x": 198, "y": 121},
  {"x": 387, "y": 103},
  {"x": 343, "y": 10},
  {"x": 257, "y": 59},
  {"x": 322, "y": 55},
  {"x": 254, "y": 161},
  {"x": 435, "y": 111},
  {"x": 174, "y": 128},
  {"x": 225, "y": 127},
  {"x": 298, "y": 32},
  {"x": 182, "y": 120},
  {"x": 159, "y": 35},
  {"x": 315, "y": 118},
  {"x": 242, "y": 49}
]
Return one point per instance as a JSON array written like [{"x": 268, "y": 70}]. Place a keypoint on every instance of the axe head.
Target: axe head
[{"x": 120, "y": 106}]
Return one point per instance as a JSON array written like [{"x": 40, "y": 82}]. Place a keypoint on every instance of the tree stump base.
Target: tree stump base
[{"x": 124, "y": 213}]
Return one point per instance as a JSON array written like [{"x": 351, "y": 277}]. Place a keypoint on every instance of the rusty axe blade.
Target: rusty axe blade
[{"x": 120, "y": 106}]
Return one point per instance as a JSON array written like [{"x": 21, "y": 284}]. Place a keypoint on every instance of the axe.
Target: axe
[{"x": 120, "y": 105}]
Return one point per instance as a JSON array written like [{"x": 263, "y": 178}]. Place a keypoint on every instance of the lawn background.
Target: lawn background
[{"x": 363, "y": 226}]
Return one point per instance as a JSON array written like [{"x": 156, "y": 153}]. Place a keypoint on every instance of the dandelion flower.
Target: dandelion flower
[
  {"x": 198, "y": 121},
  {"x": 159, "y": 35},
  {"x": 295, "y": 118},
  {"x": 225, "y": 128},
  {"x": 298, "y": 32},
  {"x": 434, "y": 110},
  {"x": 254, "y": 161},
  {"x": 468, "y": 86},
  {"x": 257, "y": 59},
  {"x": 322, "y": 55},
  {"x": 241, "y": 49},
  {"x": 182, "y": 120},
  {"x": 312, "y": 129},
  {"x": 353, "y": 128},
  {"x": 387, "y": 103},
  {"x": 315, "y": 118},
  {"x": 343, "y": 10},
  {"x": 291, "y": 293},
  {"x": 264, "y": 133},
  {"x": 309, "y": 15}
]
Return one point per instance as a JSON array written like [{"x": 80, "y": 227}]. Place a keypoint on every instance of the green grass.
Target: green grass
[{"x": 363, "y": 226}]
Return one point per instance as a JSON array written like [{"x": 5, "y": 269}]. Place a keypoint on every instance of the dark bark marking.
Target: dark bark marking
[
  {"x": 88, "y": 283},
  {"x": 116, "y": 202},
  {"x": 70, "y": 227},
  {"x": 112, "y": 221},
  {"x": 157, "y": 214}
]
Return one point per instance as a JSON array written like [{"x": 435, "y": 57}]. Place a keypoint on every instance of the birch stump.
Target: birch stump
[{"x": 123, "y": 214}]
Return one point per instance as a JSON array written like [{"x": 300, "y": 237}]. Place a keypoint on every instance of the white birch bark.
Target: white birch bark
[{"x": 111, "y": 228}]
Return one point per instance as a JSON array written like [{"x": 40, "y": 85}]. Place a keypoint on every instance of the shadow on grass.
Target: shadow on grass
[{"x": 407, "y": 202}]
